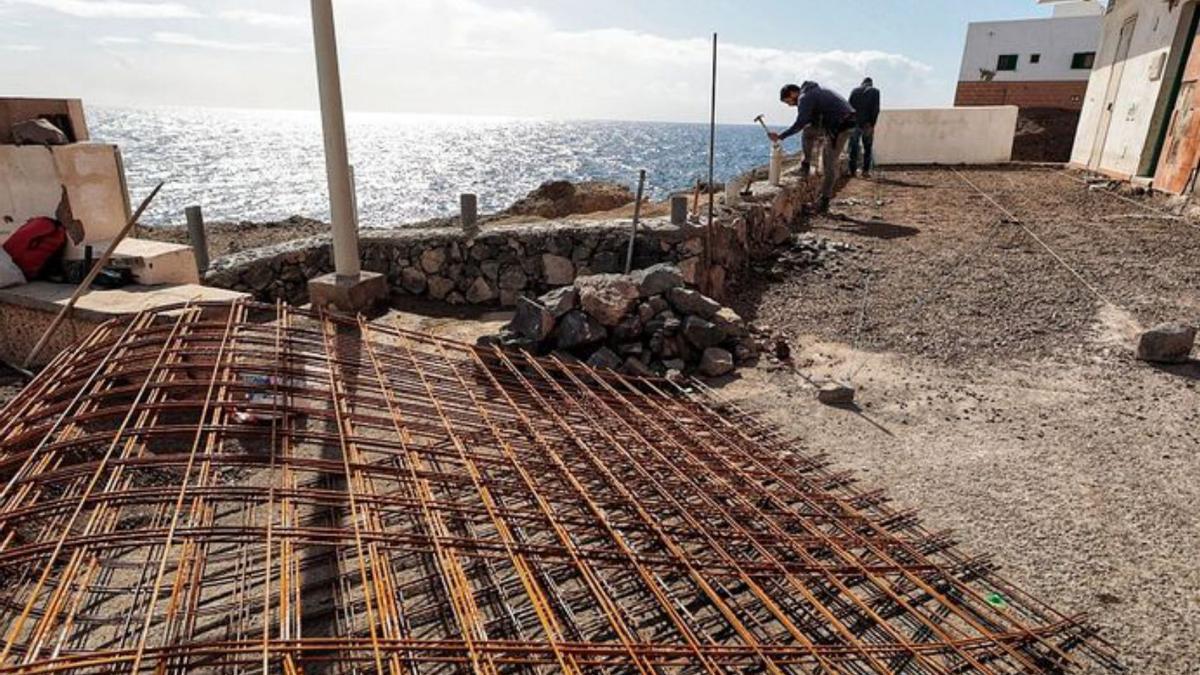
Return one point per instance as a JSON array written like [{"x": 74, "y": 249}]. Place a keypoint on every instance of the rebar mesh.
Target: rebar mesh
[{"x": 248, "y": 489}]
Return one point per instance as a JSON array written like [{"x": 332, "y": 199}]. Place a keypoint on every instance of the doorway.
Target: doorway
[{"x": 1114, "y": 88}]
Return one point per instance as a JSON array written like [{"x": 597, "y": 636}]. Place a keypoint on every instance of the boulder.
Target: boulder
[
  {"x": 413, "y": 280},
  {"x": 432, "y": 260},
  {"x": 576, "y": 329},
  {"x": 657, "y": 279},
  {"x": 605, "y": 358},
  {"x": 687, "y": 301},
  {"x": 729, "y": 322},
  {"x": 702, "y": 334},
  {"x": 627, "y": 330},
  {"x": 608, "y": 298},
  {"x": 674, "y": 364},
  {"x": 1167, "y": 343},
  {"x": 561, "y": 300},
  {"x": 834, "y": 393},
  {"x": 556, "y": 199},
  {"x": 559, "y": 271},
  {"x": 480, "y": 292},
  {"x": 38, "y": 132},
  {"x": 716, "y": 362},
  {"x": 634, "y": 366},
  {"x": 532, "y": 320}
]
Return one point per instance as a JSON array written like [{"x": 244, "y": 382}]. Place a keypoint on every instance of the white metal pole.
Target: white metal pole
[{"x": 337, "y": 160}]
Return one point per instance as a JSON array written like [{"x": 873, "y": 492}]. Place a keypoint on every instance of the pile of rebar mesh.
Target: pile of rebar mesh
[{"x": 252, "y": 489}]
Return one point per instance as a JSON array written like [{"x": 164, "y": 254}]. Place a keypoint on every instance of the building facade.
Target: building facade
[
  {"x": 1031, "y": 63},
  {"x": 1139, "y": 118}
]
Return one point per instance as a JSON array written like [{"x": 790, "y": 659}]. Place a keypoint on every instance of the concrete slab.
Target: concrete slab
[{"x": 28, "y": 310}]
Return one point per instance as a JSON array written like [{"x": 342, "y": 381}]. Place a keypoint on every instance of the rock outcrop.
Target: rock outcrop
[{"x": 563, "y": 198}]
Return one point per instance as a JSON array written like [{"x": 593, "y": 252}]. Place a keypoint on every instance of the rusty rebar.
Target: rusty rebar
[{"x": 249, "y": 489}]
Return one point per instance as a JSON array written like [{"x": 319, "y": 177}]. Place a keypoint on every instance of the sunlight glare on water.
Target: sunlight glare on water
[{"x": 264, "y": 166}]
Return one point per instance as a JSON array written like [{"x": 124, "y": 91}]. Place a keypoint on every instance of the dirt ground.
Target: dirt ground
[
  {"x": 999, "y": 396},
  {"x": 996, "y": 392}
]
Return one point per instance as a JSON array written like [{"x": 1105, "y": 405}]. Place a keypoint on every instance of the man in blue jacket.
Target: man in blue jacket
[
  {"x": 831, "y": 114},
  {"x": 865, "y": 101}
]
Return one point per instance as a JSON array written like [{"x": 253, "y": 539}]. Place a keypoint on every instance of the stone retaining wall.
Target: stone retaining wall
[{"x": 503, "y": 263}]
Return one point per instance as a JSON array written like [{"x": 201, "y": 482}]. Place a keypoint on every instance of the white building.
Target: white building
[
  {"x": 1032, "y": 63},
  {"x": 1139, "y": 118}
]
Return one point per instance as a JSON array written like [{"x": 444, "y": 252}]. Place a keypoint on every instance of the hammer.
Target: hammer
[{"x": 759, "y": 119}]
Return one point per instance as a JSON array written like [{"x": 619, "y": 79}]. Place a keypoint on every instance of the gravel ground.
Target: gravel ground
[
  {"x": 997, "y": 394},
  {"x": 1007, "y": 405}
]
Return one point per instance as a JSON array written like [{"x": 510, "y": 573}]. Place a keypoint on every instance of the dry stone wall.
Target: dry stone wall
[{"x": 506, "y": 262}]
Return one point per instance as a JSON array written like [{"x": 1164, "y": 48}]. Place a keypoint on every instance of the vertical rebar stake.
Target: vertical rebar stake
[{"x": 637, "y": 215}]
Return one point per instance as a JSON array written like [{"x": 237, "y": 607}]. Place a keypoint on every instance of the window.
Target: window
[
  {"x": 1083, "y": 61},
  {"x": 1035, "y": 58},
  {"x": 1007, "y": 62}
]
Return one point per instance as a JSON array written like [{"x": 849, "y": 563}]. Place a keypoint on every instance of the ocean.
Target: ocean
[{"x": 265, "y": 166}]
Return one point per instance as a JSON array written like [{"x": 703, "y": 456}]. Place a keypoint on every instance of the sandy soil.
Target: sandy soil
[{"x": 1006, "y": 405}]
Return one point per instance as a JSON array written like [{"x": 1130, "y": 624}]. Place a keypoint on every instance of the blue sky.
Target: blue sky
[{"x": 616, "y": 59}]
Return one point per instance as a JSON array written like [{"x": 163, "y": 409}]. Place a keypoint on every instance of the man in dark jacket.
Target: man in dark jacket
[
  {"x": 865, "y": 100},
  {"x": 832, "y": 115}
]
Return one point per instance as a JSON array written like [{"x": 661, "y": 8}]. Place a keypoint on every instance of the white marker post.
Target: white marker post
[{"x": 349, "y": 289}]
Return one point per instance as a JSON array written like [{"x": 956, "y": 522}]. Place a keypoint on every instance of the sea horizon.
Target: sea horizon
[{"x": 247, "y": 164}]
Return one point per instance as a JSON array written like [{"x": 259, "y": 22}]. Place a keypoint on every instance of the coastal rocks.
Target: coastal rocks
[
  {"x": 557, "y": 199},
  {"x": 605, "y": 321}
]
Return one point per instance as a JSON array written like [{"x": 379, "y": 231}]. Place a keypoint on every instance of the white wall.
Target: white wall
[
  {"x": 977, "y": 135},
  {"x": 32, "y": 178},
  {"x": 1056, "y": 39},
  {"x": 1140, "y": 106},
  {"x": 1064, "y": 8}
]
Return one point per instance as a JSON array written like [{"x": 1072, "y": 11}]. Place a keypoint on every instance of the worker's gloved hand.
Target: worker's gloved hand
[{"x": 773, "y": 136}]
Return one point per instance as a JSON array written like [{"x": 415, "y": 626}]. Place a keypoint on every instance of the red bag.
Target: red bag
[{"x": 34, "y": 244}]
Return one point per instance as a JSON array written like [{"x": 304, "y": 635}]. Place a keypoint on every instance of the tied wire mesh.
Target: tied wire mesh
[{"x": 249, "y": 489}]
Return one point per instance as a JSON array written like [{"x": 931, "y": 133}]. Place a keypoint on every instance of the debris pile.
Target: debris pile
[
  {"x": 645, "y": 323},
  {"x": 806, "y": 251}
]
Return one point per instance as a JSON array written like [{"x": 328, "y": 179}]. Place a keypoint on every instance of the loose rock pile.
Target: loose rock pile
[
  {"x": 806, "y": 251},
  {"x": 645, "y": 323}
]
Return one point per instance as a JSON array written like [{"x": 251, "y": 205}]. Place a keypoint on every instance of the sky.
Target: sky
[{"x": 559, "y": 59}]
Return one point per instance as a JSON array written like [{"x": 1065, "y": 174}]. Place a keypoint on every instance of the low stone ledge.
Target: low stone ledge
[{"x": 503, "y": 263}]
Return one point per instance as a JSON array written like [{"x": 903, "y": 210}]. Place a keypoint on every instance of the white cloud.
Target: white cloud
[
  {"x": 114, "y": 9},
  {"x": 20, "y": 48},
  {"x": 114, "y": 40},
  {"x": 267, "y": 19},
  {"x": 186, "y": 40},
  {"x": 517, "y": 62}
]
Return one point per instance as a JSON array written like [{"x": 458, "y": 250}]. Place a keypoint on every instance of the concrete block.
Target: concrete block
[
  {"x": 353, "y": 295},
  {"x": 155, "y": 262}
]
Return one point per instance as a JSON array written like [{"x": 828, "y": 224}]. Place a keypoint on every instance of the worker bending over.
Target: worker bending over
[
  {"x": 832, "y": 116},
  {"x": 865, "y": 101}
]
